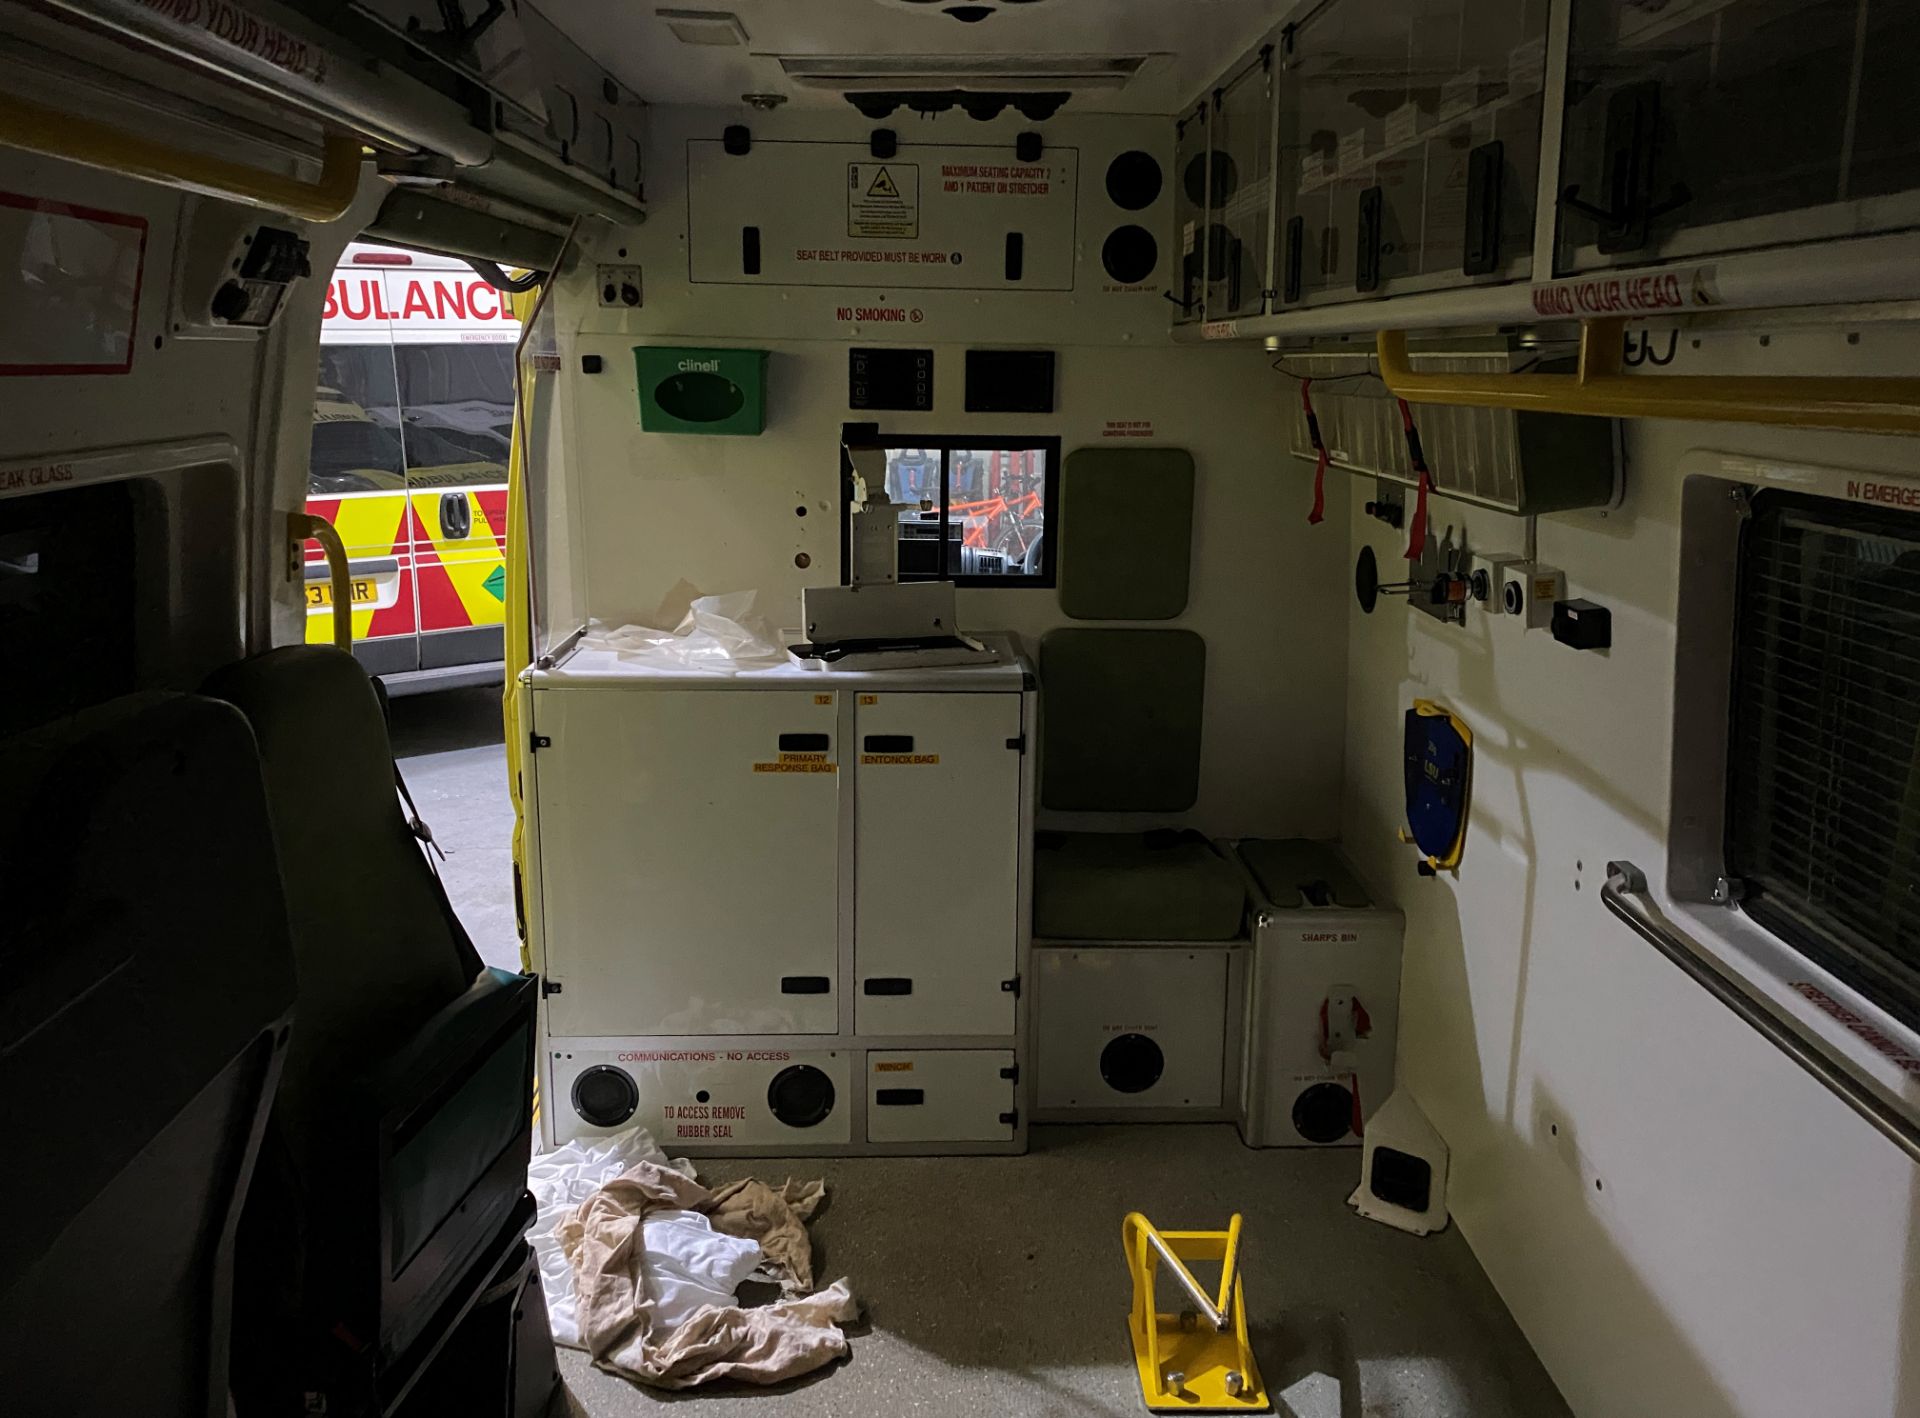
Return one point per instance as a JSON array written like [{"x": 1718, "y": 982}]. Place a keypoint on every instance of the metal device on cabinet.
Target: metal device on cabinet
[{"x": 876, "y": 621}]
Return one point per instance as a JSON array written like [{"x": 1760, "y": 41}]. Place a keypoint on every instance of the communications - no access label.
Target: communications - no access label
[{"x": 883, "y": 200}]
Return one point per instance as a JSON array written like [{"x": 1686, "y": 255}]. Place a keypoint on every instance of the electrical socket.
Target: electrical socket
[
  {"x": 1528, "y": 590},
  {"x": 620, "y": 287}
]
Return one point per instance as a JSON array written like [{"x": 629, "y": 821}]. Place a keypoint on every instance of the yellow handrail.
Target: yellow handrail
[
  {"x": 1600, "y": 388},
  {"x": 301, "y": 526},
  {"x": 57, "y": 134}
]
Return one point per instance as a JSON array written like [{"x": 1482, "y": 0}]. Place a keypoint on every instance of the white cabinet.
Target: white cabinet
[
  {"x": 937, "y": 863},
  {"x": 941, "y": 1095},
  {"x": 689, "y": 850},
  {"x": 748, "y": 893}
]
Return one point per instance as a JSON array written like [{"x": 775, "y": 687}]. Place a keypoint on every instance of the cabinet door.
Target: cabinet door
[
  {"x": 936, "y": 885},
  {"x": 1700, "y": 126},
  {"x": 941, "y": 1095},
  {"x": 689, "y": 851}
]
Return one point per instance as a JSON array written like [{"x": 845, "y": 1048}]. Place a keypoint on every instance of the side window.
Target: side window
[
  {"x": 974, "y": 511},
  {"x": 356, "y": 423},
  {"x": 1823, "y": 782},
  {"x": 456, "y": 408}
]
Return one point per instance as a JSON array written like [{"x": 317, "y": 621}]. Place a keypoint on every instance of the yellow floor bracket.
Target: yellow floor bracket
[{"x": 1197, "y": 1359}]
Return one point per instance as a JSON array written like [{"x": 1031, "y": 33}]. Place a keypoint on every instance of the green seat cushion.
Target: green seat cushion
[
  {"x": 1134, "y": 886},
  {"x": 1127, "y": 538},
  {"x": 1120, "y": 715},
  {"x": 1293, "y": 872}
]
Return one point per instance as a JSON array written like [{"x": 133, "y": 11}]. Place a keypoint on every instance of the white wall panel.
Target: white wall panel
[{"x": 1682, "y": 1221}]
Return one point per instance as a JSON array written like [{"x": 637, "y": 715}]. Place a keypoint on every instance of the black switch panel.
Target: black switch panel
[
  {"x": 1009, "y": 381},
  {"x": 890, "y": 379}
]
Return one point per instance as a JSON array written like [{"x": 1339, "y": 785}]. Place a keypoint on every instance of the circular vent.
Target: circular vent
[
  {"x": 800, "y": 1096},
  {"x": 605, "y": 1096},
  {"x": 1323, "y": 1113},
  {"x": 1133, "y": 180},
  {"x": 1132, "y": 1063},
  {"x": 967, "y": 12},
  {"x": 1130, "y": 254}
]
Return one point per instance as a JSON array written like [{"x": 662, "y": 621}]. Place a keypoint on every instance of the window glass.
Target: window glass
[
  {"x": 356, "y": 422},
  {"x": 1823, "y": 800},
  {"x": 457, "y": 412},
  {"x": 998, "y": 502},
  {"x": 974, "y": 510}
]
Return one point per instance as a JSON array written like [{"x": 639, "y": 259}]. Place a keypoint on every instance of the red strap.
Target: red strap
[
  {"x": 1417, "y": 528},
  {"x": 1319, "y": 513}
]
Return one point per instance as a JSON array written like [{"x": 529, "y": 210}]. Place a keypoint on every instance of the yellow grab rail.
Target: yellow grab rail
[
  {"x": 1602, "y": 389},
  {"x": 56, "y": 134},
  {"x": 301, "y": 526}
]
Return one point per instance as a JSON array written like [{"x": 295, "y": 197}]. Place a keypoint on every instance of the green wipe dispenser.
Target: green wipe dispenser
[{"x": 701, "y": 391}]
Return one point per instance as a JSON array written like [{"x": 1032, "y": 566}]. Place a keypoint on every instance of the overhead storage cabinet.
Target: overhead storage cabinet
[
  {"x": 1412, "y": 141},
  {"x": 1679, "y": 142},
  {"x": 1238, "y": 250},
  {"x": 1409, "y": 146}
]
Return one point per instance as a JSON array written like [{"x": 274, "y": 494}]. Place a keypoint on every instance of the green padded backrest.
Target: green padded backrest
[
  {"x": 1127, "y": 538},
  {"x": 1283, "y": 867},
  {"x": 1120, "y": 714}
]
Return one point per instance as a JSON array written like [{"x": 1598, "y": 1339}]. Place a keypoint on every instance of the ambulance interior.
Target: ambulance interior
[{"x": 1251, "y": 669}]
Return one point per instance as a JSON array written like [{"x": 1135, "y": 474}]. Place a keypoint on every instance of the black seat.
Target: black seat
[
  {"x": 145, "y": 982},
  {"x": 392, "y": 1196}
]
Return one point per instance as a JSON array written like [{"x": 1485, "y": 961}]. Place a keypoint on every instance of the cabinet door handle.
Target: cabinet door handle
[
  {"x": 805, "y": 743},
  {"x": 899, "y": 1097},
  {"x": 888, "y": 985},
  {"x": 805, "y": 985},
  {"x": 889, "y": 743}
]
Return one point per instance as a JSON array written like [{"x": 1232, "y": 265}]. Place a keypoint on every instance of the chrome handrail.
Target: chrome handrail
[{"x": 1625, "y": 895}]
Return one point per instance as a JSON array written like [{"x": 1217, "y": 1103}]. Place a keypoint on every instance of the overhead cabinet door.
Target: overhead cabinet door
[
  {"x": 688, "y": 861},
  {"x": 937, "y": 808}
]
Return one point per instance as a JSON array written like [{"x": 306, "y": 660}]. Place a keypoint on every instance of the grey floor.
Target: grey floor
[{"x": 996, "y": 1285}]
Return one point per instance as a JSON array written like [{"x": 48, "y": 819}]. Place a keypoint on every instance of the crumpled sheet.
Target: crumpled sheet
[
  {"x": 560, "y": 1180},
  {"x": 622, "y": 1322},
  {"x": 716, "y": 634}
]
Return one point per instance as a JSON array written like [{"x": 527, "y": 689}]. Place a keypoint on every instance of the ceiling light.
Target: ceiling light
[
  {"x": 976, "y": 73},
  {"x": 709, "y": 27}
]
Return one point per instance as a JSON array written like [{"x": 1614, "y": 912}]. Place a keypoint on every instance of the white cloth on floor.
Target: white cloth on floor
[
  {"x": 689, "y": 1264},
  {"x": 560, "y": 1180}
]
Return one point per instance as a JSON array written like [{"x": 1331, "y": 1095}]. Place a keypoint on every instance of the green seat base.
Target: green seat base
[{"x": 1156, "y": 886}]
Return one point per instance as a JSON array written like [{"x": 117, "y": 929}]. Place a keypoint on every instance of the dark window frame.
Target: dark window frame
[
  {"x": 1047, "y": 577},
  {"x": 1819, "y": 754}
]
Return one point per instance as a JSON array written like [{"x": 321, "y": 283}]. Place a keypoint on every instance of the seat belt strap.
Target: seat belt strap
[{"x": 462, "y": 942}]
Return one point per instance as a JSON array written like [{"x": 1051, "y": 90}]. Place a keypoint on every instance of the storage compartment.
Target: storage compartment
[
  {"x": 701, "y": 1100},
  {"x": 1240, "y": 200},
  {"x": 1678, "y": 140},
  {"x": 687, "y": 877},
  {"x": 1323, "y": 1002},
  {"x": 943, "y": 1095},
  {"x": 937, "y": 837},
  {"x": 1131, "y": 1029},
  {"x": 1409, "y": 146},
  {"x": 1517, "y": 462}
]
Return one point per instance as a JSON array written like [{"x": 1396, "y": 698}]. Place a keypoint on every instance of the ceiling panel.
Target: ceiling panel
[{"x": 1185, "y": 43}]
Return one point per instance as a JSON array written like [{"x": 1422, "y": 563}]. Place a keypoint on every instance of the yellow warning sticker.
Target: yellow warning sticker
[
  {"x": 808, "y": 767},
  {"x": 900, "y": 760},
  {"x": 883, "y": 200},
  {"x": 906, "y": 1066}
]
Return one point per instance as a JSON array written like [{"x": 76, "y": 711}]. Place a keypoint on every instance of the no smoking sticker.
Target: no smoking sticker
[{"x": 883, "y": 200}]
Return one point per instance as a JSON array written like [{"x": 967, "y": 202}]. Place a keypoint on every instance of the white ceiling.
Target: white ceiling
[{"x": 1191, "y": 42}]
